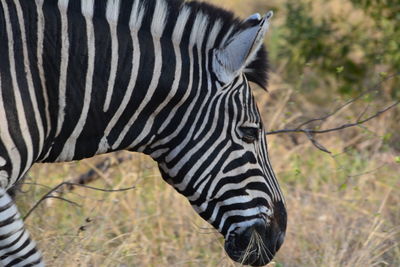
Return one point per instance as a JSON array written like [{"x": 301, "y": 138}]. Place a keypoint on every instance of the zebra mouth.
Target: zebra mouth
[{"x": 255, "y": 246}]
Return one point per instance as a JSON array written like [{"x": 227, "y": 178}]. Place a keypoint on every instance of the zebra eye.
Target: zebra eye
[{"x": 249, "y": 134}]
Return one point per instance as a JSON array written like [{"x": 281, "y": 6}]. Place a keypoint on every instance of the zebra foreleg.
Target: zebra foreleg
[{"x": 16, "y": 247}]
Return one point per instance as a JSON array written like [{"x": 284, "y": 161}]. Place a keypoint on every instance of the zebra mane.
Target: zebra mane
[
  {"x": 187, "y": 22},
  {"x": 257, "y": 70}
]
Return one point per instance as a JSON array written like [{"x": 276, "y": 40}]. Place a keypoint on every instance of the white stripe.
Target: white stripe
[
  {"x": 159, "y": 20},
  {"x": 112, "y": 14},
  {"x": 31, "y": 89},
  {"x": 40, "y": 38},
  {"x": 70, "y": 145},
  {"x": 63, "y": 7},
  {"x": 112, "y": 11},
  {"x": 241, "y": 226},
  {"x": 137, "y": 14},
  {"x": 135, "y": 24},
  {"x": 2, "y": 160},
  {"x": 157, "y": 28},
  {"x": 87, "y": 8},
  {"x": 23, "y": 125},
  {"x": 199, "y": 29},
  {"x": 226, "y": 36},
  {"x": 12, "y": 227},
  {"x": 245, "y": 213}
]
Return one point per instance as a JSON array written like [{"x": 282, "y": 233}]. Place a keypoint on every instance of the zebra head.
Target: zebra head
[{"x": 220, "y": 162}]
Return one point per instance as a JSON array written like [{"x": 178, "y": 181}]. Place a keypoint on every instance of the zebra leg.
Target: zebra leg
[{"x": 16, "y": 247}]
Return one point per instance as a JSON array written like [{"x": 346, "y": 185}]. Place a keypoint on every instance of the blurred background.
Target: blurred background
[{"x": 343, "y": 206}]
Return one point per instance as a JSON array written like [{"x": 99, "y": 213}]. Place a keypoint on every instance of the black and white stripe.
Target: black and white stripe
[{"x": 163, "y": 77}]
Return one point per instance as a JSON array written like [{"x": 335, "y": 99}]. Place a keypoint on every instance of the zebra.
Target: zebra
[{"x": 166, "y": 78}]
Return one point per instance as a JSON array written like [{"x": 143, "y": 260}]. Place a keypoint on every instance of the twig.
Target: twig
[
  {"x": 374, "y": 88},
  {"x": 368, "y": 172},
  {"x": 54, "y": 189},
  {"x": 94, "y": 173},
  {"x": 316, "y": 143},
  {"x": 64, "y": 199},
  {"x": 309, "y": 132},
  {"x": 342, "y": 127},
  {"x": 364, "y": 112}
]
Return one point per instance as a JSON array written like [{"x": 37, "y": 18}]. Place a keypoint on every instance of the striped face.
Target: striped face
[
  {"x": 221, "y": 163},
  {"x": 225, "y": 173}
]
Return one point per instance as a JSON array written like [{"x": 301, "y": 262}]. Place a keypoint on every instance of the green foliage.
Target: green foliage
[{"x": 355, "y": 52}]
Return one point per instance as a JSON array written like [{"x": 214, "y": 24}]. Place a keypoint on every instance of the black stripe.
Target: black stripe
[
  {"x": 22, "y": 258},
  {"x": 5, "y": 236},
  {"x": 34, "y": 263},
  {"x": 6, "y": 207},
  {"x": 94, "y": 128},
  {"x": 14, "y": 242},
  {"x": 51, "y": 61},
  {"x": 10, "y": 220}
]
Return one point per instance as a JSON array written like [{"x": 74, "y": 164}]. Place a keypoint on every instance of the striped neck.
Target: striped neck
[
  {"x": 121, "y": 77},
  {"x": 116, "y": 72}
]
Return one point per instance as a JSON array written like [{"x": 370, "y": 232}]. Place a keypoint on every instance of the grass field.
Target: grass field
[{"x": 343, "y": 208}]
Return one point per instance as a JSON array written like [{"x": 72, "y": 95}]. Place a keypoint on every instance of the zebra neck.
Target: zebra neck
[{"x": 112, "y": 86}]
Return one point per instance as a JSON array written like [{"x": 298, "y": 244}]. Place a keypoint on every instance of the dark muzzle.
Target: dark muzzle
[{"x": 255, "y": 245}]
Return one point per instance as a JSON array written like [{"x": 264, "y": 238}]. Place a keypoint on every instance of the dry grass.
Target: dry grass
[{"x": 343, "y": 208}]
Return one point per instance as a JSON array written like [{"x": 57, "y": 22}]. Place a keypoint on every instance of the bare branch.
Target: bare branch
[
  {"x": 351, "y": 101},
  {"x": 316, "y": 143},
  {"x": 310, "y": 132},
  {"x": 94, "y": 173},
  {"x": 66, "y": 200},
  {"x": 342, "y": 127},
  {"x": 54, "y": 189}
]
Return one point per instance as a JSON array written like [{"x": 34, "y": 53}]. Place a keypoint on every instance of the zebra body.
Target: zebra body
[{"x": 163, "y": 77}]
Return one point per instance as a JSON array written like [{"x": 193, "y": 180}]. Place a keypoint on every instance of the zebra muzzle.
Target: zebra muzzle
[{"x": 255, "y": 245}]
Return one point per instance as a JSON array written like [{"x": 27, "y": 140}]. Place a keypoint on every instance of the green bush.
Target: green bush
[{"x": 355, "y": 53}]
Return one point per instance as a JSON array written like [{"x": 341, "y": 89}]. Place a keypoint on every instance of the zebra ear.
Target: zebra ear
[{"x": 240, "y": 49}]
